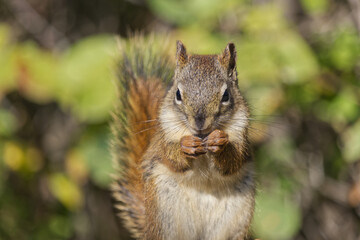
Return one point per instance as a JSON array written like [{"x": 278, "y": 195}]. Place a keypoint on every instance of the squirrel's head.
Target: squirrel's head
[{"x": 204, "y": 95}]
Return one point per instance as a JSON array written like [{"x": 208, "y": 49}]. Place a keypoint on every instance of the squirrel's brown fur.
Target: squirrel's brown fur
[
  {"x": 186, "y": 169},
  {"x": 142, "y": 71}
]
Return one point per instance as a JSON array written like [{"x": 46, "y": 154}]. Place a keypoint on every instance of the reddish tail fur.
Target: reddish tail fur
[
  {"x": 144, "y": 99},
  {"x": 142, "y": 74}
]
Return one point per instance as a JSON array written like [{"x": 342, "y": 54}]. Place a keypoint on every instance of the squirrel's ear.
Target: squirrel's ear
[
  {"x": 228, "y": 58},
  {"x": 181, "y": 56}
]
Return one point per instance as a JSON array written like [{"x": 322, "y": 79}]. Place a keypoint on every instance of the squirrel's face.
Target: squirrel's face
[{"x": 204, "y": 96}]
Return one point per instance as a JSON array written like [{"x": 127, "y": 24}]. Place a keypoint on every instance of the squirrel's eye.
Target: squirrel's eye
[
  {"x": 225, "y": 96},
  {"x": 178, "y": 95}
]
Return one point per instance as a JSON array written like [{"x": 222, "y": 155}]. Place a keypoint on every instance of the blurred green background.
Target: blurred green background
[{"x": 298, "y": 65}]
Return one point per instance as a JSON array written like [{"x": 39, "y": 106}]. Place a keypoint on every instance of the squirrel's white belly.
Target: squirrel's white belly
[{"x": 194, "y": 212}]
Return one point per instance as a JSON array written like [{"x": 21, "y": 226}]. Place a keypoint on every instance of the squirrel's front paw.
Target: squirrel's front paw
[
  {"x": 192, "y": 146},
  {"x": 216, "y": 141}
]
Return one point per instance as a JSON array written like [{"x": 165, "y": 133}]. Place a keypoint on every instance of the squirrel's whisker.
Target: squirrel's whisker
[
  {"x": 150, "y": 120},
  {"x": 144, "y": 130},
  {"x": 257, "y": 120},
  {"x": 259, "y": 131}
]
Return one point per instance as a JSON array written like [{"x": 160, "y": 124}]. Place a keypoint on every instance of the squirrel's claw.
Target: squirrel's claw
[
  {"x": 192, "y": 146},
  {"x": 191, "y": 141},
  {"x": 216, "y": 141}
]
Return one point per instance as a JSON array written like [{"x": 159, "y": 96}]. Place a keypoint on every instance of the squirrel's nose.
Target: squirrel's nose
[{"x": 199, "y": 121}]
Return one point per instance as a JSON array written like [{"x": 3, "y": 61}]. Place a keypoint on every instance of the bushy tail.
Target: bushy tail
[{"x": 143, "y": 73}]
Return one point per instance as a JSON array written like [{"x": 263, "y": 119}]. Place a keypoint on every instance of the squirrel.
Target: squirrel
[{"x": 190, "y": 174}]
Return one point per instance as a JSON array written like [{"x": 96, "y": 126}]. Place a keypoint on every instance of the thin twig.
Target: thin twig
[
  {"x": 35, "y": 24},
  {"x": 355, "y": 13}
]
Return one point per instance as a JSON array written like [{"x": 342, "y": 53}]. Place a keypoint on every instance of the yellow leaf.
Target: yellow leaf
[
  {"x": 34, "y": 160},
  {"x": 13, "y": 156},
  {"x": 76, "y": 167},
  {"x": 66, "y": 191}
]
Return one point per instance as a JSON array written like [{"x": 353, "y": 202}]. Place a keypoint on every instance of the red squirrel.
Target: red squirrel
[{"x": 189, "y": 175}]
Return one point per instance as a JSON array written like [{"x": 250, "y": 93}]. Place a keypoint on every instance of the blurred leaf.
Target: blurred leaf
[
  {"x": 8, "y": 123},
  {"x": 297, "y": 61},
  {"x": 262, "y": 19},
  {"x": 76, "y": 166},
  {"x": 256, "y": 58},
  {"x": 4, "y": 35},
  {"x": 2, "y": 168},
  {"x": 275, "y": 217},
  {"x": 315, "y": 6},
  {"x": 33, "y": 159},
  {"x": 87, "y": 71},
  {"x": 202, "y": 42},
  {"x": 279, "y": 151},
  {"x": 94, "y": 148},
  {"x": 271, "y": 50},
  {"x": 66, "y": 191},
  {"x": 14, "y": 156},
  {"x": 351, "y": 140},
  {"x": 301, "y": 96},
  {"x": 61, "y": 226},
  {"x": 265, "y": 99},
  {"x": 344, "y": 52},
  {"x": 190, "y": 11},
  {"x": 22, "y": 159},
  {"x": 342, "y": 109},
  {"x": 256, "y": 62},
  {"x": 7, "y": 61},
  {"x": 37, "y": 73}
]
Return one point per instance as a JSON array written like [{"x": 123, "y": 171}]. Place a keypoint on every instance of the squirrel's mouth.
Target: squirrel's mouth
[
  {"x": 202, "y": 136},
  {"x": 202, "y": 133}
]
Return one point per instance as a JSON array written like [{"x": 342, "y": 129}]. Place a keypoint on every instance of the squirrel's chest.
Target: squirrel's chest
[{"x": 188, "y": 213}]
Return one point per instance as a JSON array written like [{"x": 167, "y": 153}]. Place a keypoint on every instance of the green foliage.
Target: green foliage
[
  {"x": 341, "y": 109},
  {"x": 276, "y": 51},
  {"x": 81, "y": 79},
  {"x": 7, "y": 123},
  {"x": 191, "y": 11},
  {"x": 86, "y": 73},
  {"x": 94, "y": 149},
  {"x": 65, "y": 191},
  {"x": 351, "y": 138},
  {"x": 276, "y": 217},
  {"x": 37, "y": 77},
  {"x": 315, "y": 6},
  {"x": 7, "y": 60},
  {"x": 344, "y": 50}
]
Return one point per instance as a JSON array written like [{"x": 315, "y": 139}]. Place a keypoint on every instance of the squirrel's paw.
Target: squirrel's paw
[
  {"x": 216, "y": 141},
  {"x": 192, "y": 146}
]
